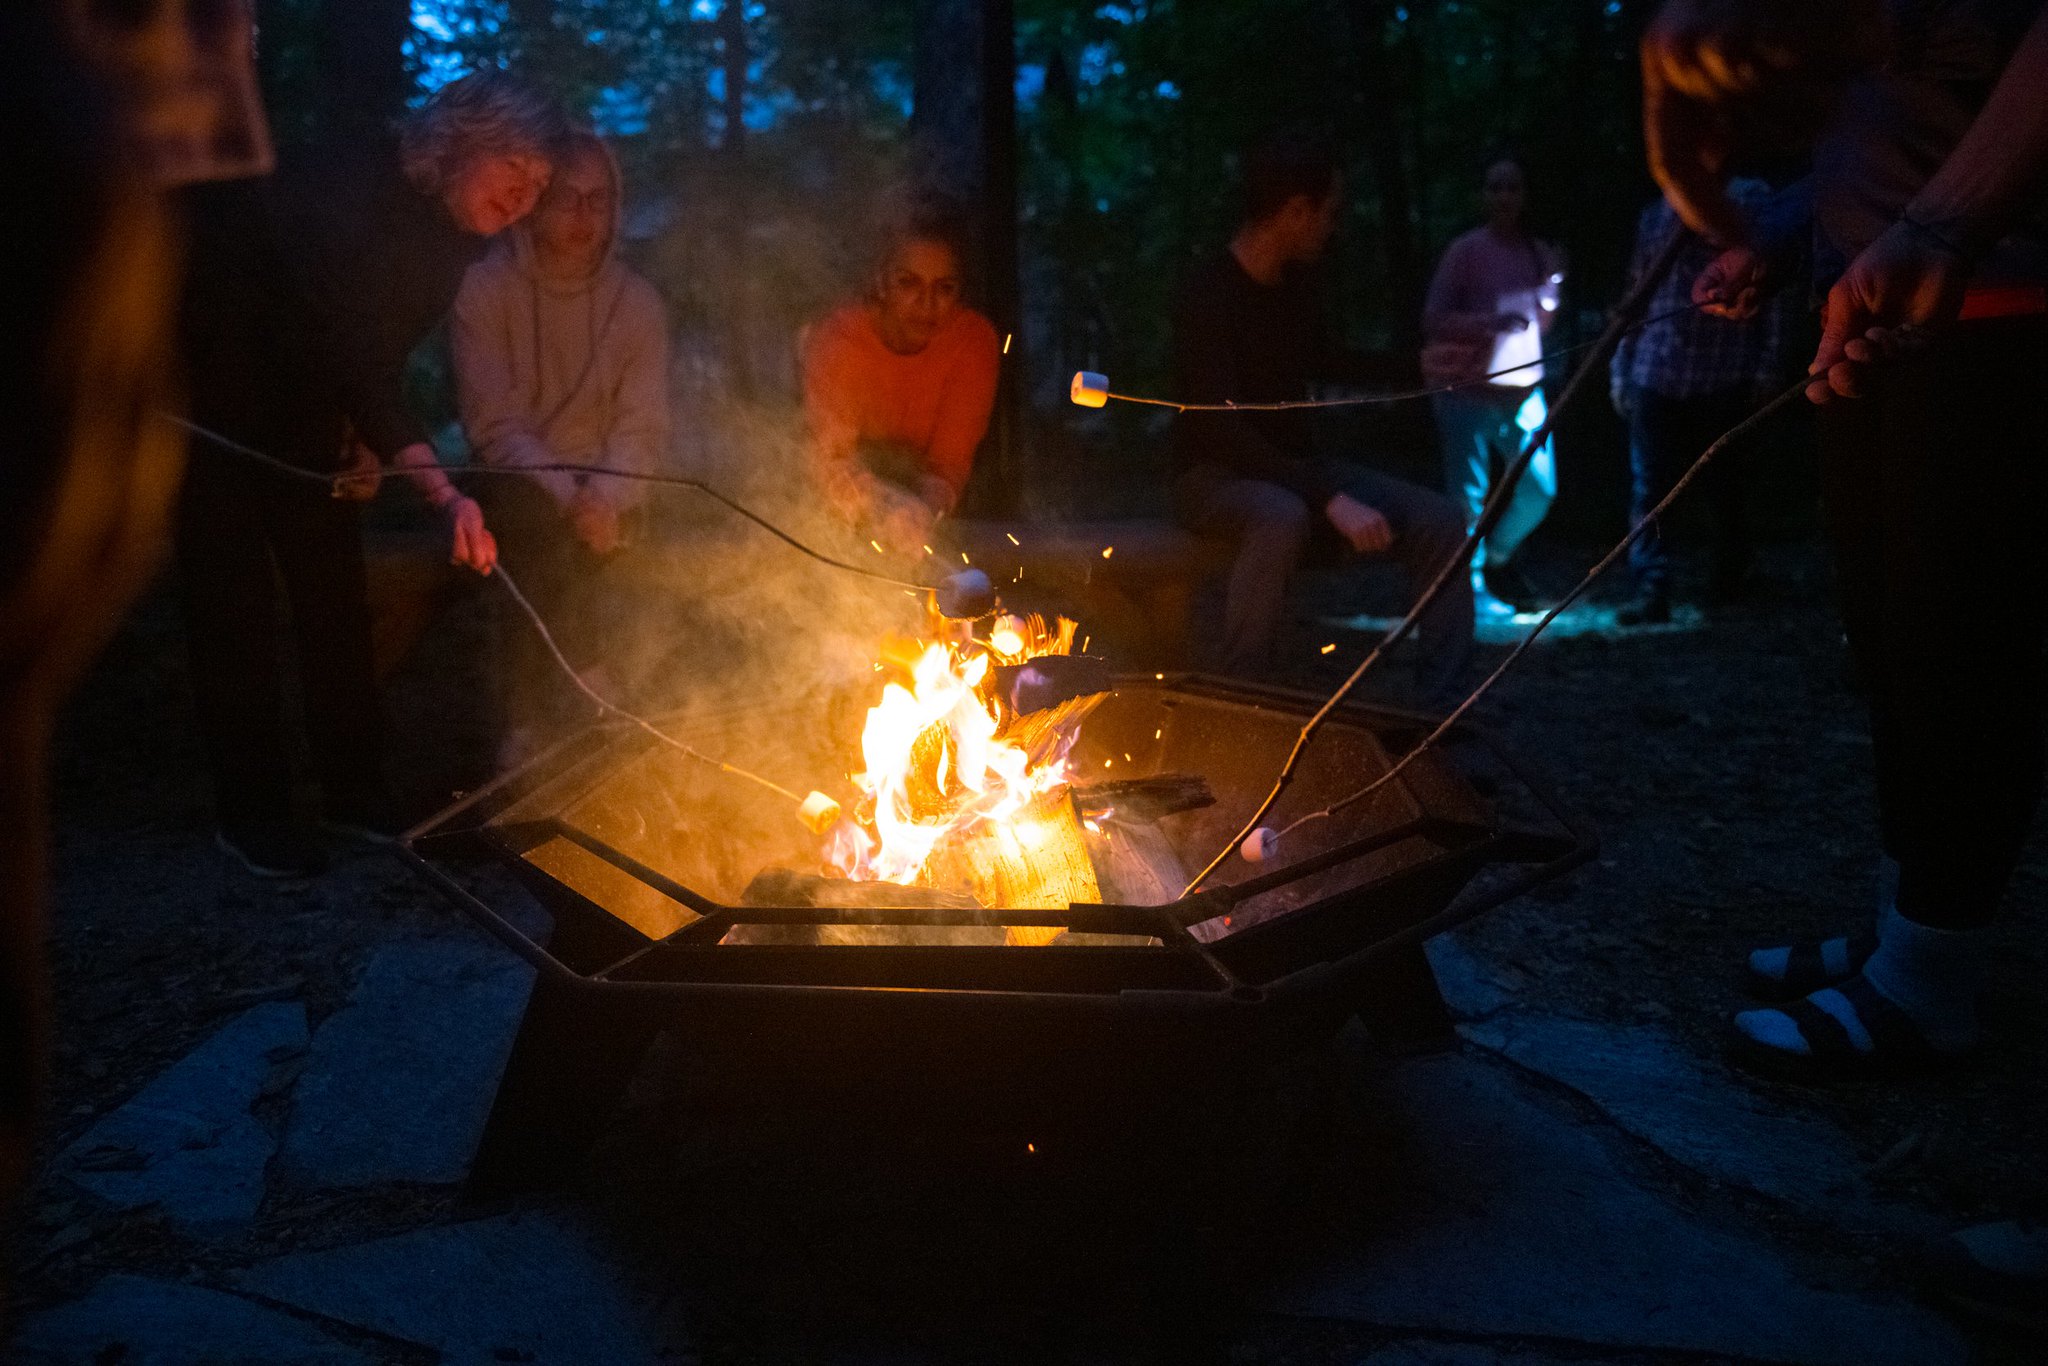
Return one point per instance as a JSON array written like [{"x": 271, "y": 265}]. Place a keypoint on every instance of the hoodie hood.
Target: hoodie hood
[{"x": 517, "y": 246}]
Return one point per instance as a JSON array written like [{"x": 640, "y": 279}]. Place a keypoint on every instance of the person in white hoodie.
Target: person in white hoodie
[{"x": 561, "y": 357}]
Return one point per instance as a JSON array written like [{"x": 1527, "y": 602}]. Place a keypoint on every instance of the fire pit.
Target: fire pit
[{"x": 682, "y": 899}]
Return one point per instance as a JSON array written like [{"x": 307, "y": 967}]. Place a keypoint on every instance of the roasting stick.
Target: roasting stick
[
  {"x": 1257, "y": 849},
  {"x": 334, "y": 482},
  {"x": 817, "y": 810},
  {"x": 1090, "y": 389},
  {"x": 1624, "y": 320}
]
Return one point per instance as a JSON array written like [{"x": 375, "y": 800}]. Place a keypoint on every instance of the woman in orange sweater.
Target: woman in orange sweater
[{"x": 899, "y": 385}]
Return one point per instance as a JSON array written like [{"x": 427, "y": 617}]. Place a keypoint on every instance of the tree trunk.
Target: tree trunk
[
  {"x": 1383, "y": 111},
  {"x": 533, "y": 24},
  {"x": 964, "y": 127},
  {"x": 366, "y": 80},
  {"x": 734, "y": 58}
]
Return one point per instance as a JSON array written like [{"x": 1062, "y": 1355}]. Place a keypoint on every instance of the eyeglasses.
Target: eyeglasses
[{"x": 564, "y": 199}]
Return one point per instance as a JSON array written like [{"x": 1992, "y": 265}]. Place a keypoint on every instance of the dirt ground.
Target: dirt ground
[{"x": 1723, "y": 760}]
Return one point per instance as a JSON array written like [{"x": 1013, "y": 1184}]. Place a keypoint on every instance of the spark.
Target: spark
[
  {"x": 1127, "y": 759},
  {"x": 1092, "y": 827},
  {"x": 1108, "y": 551},
  {"x": 927, "y": 550},
  {"x": 877, "y": 545},
  {"x": 1006, "y": 342},
  {"x": 1030, "y": 1147},
  {"x": 1013, "y": 538},
  {"x": 1107, "y": 762},
  {"x": 964, "y": 559},
  {"x": 1160, "y": 677},
  {"x": 1084, "y": 643},
  {"x": 1327, "y": 649},
  {"x": 1157, "y": 733}
]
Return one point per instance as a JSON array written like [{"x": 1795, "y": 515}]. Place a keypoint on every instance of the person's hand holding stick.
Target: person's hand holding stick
[
  {"x": 594, "y": 517},
  {"x": 1365, "y": 528},
  {"x": 474, "y": 547}
]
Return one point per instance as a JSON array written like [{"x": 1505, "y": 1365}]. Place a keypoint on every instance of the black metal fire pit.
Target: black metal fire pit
[{"x": 645, "y": 859}]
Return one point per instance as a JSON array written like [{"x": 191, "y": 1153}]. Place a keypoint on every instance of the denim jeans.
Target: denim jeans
[
  {"x": 1483, "y": 431},
  {"x": 1665, "y": 435}
]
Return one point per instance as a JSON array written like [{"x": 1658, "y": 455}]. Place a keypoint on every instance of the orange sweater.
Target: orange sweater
[{"x": 935, "y": 404}]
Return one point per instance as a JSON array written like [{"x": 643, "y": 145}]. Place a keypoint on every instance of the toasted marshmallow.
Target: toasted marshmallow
[{"x": 1089, "y": 389}]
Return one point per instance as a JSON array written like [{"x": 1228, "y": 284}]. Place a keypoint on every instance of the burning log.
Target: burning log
[
  {"x": 1135, "y": 862},
  {"x": 1143, "y": 799},
  {"x": 785, "y": 887},
  {"x": 1036, "y": 860}
]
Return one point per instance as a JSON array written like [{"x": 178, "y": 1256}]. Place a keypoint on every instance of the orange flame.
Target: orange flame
[{"x": 935, "y": 761}]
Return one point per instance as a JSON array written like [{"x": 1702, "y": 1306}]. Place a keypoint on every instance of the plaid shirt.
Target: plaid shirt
[{"x": 1692, "y": 353}]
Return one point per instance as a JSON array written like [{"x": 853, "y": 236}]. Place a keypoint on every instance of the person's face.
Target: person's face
[
  {"x": 574, "y": 219},
  {"x": 1318, "y": 224},
  {"x": 918, "y": 291},
  {"x": 1503, "y": 193},
  {"x": 489, "y": 194}
]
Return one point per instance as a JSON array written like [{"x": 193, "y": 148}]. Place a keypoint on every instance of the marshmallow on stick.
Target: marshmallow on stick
[
  {"x": 1089, "y": 389},
  {"x": 819, "y": 812}
]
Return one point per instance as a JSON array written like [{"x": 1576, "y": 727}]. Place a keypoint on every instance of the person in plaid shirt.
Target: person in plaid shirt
[{"x": 1679, "y": 383}]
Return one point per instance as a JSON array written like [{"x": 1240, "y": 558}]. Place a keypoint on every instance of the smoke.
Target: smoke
[{"x": 707, "y": 619}]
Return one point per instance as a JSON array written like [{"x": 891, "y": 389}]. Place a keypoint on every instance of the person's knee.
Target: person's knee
[{"x": 1278, "y": 524}]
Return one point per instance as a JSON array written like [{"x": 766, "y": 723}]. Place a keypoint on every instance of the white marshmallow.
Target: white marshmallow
[
  {"x": 1089, "y": 389},
  {"x": 1260, "y": 845},
  {"x": 819, "y": 812}
]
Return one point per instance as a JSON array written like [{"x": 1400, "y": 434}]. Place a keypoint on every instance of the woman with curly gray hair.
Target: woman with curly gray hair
[
  {"x": 483, "y": 146},
  {"x": 306, "y": 294}
]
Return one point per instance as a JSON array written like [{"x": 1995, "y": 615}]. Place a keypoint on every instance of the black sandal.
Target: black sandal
[
  {"x": 1806, "y": 972},
  {"x": 1897, "y": 1044}
]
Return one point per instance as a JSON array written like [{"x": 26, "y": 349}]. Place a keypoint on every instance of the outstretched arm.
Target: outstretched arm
[{"x": 1915, "y": 274}]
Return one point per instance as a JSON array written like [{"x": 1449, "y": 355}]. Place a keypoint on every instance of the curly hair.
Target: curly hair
[{"x": 484, "y": 114}]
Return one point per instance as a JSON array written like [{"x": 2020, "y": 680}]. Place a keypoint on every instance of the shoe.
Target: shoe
[
  {"x": 1508, "y": 583},
  {"x": 1487, "y": 607},
  {"x": 373, "y": 819},
  {"x": 278, "y": 850},
  {"x": 1996, "y": 1270},
  {"x": 1652, "y": 608}
]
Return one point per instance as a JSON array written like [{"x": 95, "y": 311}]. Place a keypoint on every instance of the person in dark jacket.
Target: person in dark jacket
[
  {"x": 1250, "y": 328},
  {"x": 306, "y": 293}
]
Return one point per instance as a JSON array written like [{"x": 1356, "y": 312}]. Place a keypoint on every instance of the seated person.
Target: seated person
[
  {"x": 1250, "y": 328},
  {"x": 561, "y": 357},
  {"x": 899, "y": 385},
  {"x": 304, "y": 293}
]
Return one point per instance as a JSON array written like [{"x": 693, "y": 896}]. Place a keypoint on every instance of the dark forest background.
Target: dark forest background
[{"x": 1100, "y": 142}]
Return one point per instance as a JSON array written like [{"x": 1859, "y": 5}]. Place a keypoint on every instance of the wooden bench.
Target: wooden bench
[{"x": 1141, "y": 593}]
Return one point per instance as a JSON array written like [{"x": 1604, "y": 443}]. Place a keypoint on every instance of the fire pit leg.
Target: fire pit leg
[
  {"x": 570, "y": 1066},
  {"x": 1401, "y": 1004}
]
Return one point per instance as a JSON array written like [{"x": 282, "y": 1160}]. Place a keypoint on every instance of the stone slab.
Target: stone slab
[
  {"x": 141, "y": 1322},
  {"x": 401, "y": 1078},
  {"x": 1517, "y": 1220},
  {"x": 187, "y": 1141},
  {"x": 1462, "y": 1354},
  {"x": 520, "y": 1287},
  {"x": 1646, "y": 1081},
  {"x": 1471, "y": 987}
]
